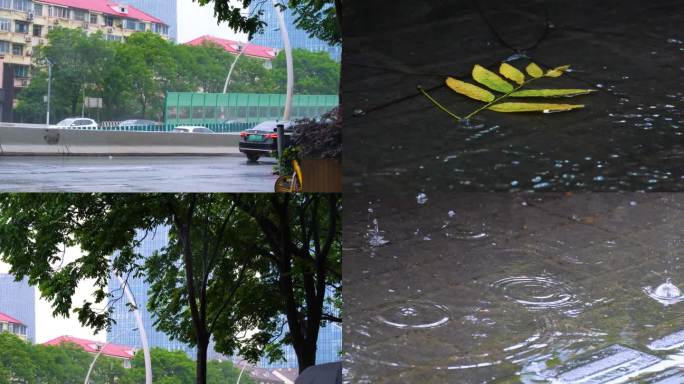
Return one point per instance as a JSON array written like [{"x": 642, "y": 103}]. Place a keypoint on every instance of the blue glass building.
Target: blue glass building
[
  {"x": 299, "y": 38},
  {"x": 122, "y": 332},
  {"x": 165, "y": 10},
  {"x": 328, "y": 347},
  {"x": 329, "y": 338},
  {"x": 18, "y": 299}
]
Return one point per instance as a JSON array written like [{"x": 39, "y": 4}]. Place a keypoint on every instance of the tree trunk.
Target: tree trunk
[
  {"x": 306, "y": 356},
  {"x": 202, "y": 346}
]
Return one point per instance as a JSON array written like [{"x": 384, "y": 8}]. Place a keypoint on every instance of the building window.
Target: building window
[
  {"x": 6, "y": 4},
  {"x": 38, "y": 9},
  {"x": 22, "y": 5},
  {"x": 4, "y": 46},
  {"x": 5, "y": 24},
  {"x": 78, "y": 15},
  {"x": 37, "y": 30},
  {"x": 114, "y": 38},
  {"x": 17, "y": 49},
  {"x": 130, "y": 24},
  {"x": 93, "y": 18},
  {"x": 60, "y": 12},
  {"x": 21, "y": 27},
  {"x": 141, "y": 26},
  {"x": 109, "y": 21}
]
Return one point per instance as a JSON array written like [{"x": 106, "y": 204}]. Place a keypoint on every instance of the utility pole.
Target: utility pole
[
  {"x": 49, "y": 63},
  {"x": 288, "y": 60}
]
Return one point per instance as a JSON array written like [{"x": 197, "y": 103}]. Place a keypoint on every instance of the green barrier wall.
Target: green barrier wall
[{"x": 207, "y": 108}]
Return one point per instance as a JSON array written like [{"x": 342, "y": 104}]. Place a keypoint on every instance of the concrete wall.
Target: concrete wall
[{"x": 25, "y": 139}]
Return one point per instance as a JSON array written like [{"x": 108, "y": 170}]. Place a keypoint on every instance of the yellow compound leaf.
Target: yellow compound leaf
[
  {"x": 534, "y": 70},
  {"x": 557, "y": 71},
  {"x": 551, "y": 92},
  {"x": 490, "y": 79},
  {"x": 470, "y": 90},
  {"x": 512, "y": 73},
  {"x": 533, "y": 107}
]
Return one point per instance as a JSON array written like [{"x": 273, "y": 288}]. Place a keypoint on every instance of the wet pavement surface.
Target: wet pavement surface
[
  {"x": 628, "y": 137},
  {"x": 509, "y": 288},
  {"x": 135, "y": 174}
]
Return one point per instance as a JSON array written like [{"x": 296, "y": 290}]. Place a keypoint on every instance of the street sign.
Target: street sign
[{"x": 93, "y": 102}]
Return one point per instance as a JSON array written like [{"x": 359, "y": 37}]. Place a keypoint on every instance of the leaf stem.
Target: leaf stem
[
  {"x": 437, "y": 104},
  {"x": 499, "y": 98}
]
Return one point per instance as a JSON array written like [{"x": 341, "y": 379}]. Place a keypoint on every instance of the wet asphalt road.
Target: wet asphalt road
[{"x": 135, "y": 174}]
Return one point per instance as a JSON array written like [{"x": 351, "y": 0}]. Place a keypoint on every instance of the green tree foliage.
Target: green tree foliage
[
  {"x": 318, "y": 17},
  {"x": 65, "y": 364},
  {"x": 315, "y": 73},
  {"x": 21, "y": 362},
  {"x": 133, "y": 77},
  {"x": 234, "y": 263}
]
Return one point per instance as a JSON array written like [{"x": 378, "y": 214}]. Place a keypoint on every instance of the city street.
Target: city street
[{"x": 135, "y": 174}]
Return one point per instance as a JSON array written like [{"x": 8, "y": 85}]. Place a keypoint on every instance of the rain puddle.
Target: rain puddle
[{"x": 583, "y": 298}]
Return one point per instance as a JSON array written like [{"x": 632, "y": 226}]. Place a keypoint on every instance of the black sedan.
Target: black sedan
[{"x": 262, "y": 140}]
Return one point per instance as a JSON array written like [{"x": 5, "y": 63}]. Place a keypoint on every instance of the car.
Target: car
[
  {"x": 137, "y": 122},
  {"x": 77, "y": 123},
  {"x": 192, "y": 129},
  {"x": 262, "y": 140}
]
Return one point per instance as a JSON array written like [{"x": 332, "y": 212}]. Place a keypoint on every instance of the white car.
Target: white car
[
  {"x": 192, "y": 129},
  {"x": 77, "y": 123}
]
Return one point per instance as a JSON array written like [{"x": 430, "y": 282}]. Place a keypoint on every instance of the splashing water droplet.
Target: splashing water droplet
[
  {"x": 666, "y": 293},
  {"x": 375, "y": 237},
  {"x": 421, "y": 198},
  {"x": 414, "y": 315}
]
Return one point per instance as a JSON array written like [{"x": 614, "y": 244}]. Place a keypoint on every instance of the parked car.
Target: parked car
[
  {"x": 192, "y": 129},
  {"x": 262, "y": 140},
  {"x": 137, "y": 122},
  {"x": 77, "y": 123}
]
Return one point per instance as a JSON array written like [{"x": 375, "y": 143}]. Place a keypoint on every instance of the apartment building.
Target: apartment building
[
  {"x": 24, "y": 24},
  {"x": 12, "y": 325}
]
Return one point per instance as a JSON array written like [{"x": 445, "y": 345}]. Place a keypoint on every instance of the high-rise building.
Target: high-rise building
[
  {"x": 328, "y": 347},
  {"x": 165, "y": 10},
  {"x": 25, "y": 24},
  {"x": 123, "y": 331},
  {"x": 18, "y": 300},
  {"x": 299, "y": 38},
  {"x": 329, "y": 338}
]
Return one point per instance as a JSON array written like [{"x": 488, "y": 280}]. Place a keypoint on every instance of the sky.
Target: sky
[
  {"x": 195, "y": 21},
  {"x": 48, "y": 327}
]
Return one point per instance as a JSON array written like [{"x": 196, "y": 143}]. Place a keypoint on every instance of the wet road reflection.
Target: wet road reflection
[{"x": 135, "y": 174}]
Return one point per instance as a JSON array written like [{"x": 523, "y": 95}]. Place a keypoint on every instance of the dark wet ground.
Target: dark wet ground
[
  {"x": 507, "y": 288},
  {"x": 629, "y": 136},
  {"x": 135, "y": 174}
]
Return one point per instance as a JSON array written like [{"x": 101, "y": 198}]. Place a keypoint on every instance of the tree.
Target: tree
[
  {"x": 318, "y": 17},
  {"x": 304, "y": 247},
  {"x": 315, "y": 73},
  {"x": 215, "y": 276}
]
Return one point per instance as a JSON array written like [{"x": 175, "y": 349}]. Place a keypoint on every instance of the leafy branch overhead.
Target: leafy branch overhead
[{"x": 497, "y": 83}]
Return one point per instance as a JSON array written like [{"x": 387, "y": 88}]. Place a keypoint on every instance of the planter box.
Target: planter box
[{"x": 321, "y": 175}]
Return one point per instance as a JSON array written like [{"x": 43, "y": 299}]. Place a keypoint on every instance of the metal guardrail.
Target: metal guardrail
[{"x": 216, "y": 127}]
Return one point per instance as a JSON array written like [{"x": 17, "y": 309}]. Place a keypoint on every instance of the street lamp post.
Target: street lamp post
[
  {"x": 241, "y": 50},
  {"x": 288, "y": 60},
  {"x": 92, "y": 364},
  {"x": 141, "y": 330},
  {"x": 49, "y": 63}
]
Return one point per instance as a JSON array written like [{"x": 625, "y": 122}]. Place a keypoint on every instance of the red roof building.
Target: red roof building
[
  {"x": 234, "y": 47},
  {"x": 106, "y": 7},
  {"x": 5, "y": 318},
  {"x": 12, "y": 325},
  {"x": 90, "y": 346}
]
